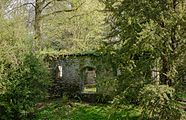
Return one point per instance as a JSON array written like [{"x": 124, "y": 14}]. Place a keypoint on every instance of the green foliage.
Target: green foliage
[
  {"x": 107, "y": 86},
  {"x": 25, "y": 85},
  {"x": 134, "y": 76},
  {"x": 54, "y": 110},
  {"x": 180, "y": 76},
  {"x": 155, "y": 27},
  {"x": 129, "y": 95},
  {"x": 124, "y": 113},
  {"x": 75, "y": 31},
  {"x": 158, "y": 103},
  {"x": 90, "y": 113},
  {"x": 145, "y": 35},
  {"x": 181, "y": 95},
  {"x": 72, "y": 111},
  {"x": 24, "y": 78}
]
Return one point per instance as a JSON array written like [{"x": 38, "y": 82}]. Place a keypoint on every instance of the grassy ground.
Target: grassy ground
[
  {"x": 60, "y": 110},
  {"x": 92, "y": 90}
]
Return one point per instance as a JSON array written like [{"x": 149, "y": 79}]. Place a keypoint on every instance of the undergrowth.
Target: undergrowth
[{"x": 58, "y": 110}]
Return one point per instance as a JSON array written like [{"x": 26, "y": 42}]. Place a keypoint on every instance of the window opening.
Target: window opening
[{"x": 89, "y": 80}]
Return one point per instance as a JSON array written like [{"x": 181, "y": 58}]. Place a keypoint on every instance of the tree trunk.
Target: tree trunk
[{"x": 37, "y": 24}]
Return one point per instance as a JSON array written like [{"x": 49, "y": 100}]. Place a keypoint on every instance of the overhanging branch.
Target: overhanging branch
[
  {"x": 60, "y": 11},
  {"x": 47, "y": 4},
  {"x": 25, "y": 4}
]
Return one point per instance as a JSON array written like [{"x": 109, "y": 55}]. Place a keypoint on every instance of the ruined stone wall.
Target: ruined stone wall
[
  {"x": 77, "y": 72},
  {"x": 71, "y": 80}
]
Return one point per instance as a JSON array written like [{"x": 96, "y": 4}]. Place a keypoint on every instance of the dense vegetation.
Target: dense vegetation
[
  {"x": 148, "y": 36},
  {"x": 59, "y": 109},
  {"x": 143, "y": 42}
]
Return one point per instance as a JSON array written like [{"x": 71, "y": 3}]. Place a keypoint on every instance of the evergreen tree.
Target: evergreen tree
[{"x": 142, "y": 27}]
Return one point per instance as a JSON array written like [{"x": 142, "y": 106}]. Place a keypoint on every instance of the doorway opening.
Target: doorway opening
[{"x": 89, "y": 75}]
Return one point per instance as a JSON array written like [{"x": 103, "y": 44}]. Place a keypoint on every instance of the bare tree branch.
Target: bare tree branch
[
  {"x": 47, "y": 4},
  {"x": 25, "y": 4},
  {"x": 28, "y": 4},
  {"x": 60, "y": 11},
  {"x": 43, "y": 1}
]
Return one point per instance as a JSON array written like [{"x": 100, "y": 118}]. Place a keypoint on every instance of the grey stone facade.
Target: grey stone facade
[{"x": 77, "y": 70}]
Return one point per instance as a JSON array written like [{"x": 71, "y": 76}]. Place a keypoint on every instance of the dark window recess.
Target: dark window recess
[{"x": 184, "y": 79}]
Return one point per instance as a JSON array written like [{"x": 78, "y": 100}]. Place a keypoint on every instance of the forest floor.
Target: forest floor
[
  {"x": 67, "y": 110},
  {"x": 64, "y": 109}
]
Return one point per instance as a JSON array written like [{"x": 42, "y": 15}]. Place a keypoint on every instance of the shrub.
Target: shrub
[
  {"x": 129, "y": 92},
  {"x": 158, "y": 103},
  {"x": 23, "y": 86},
  {"x": 107, "y": 86}
]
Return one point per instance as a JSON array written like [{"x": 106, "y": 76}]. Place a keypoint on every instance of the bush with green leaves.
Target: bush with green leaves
[
  {"x": 24, "y": 85},
  {"x": 158, "y": 103},
  {"x": 133, "y": 77},
  {"x": 107, "y": 86},
  {"x": 23, "y": 74}
]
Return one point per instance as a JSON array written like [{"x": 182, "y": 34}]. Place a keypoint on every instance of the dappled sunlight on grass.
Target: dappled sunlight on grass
[{"x": 89, "y": 89}]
